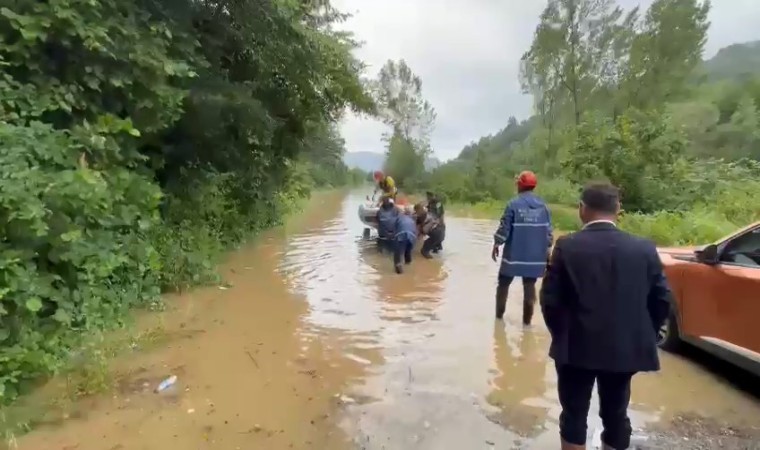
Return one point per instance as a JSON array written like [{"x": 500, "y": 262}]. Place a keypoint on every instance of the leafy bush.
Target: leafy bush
[
  {"x": 74, "y": 255},
  {"x": 141, "y": 139}
]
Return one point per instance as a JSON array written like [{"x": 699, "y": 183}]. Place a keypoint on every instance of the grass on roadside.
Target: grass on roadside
[
  {"x": 89, "y": 373},
  {"x": 695, "y": 227},
  {"x": 564, "y": 218}
]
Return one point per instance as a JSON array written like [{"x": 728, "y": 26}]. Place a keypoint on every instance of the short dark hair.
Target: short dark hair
[{"x": 601, "y": 197}]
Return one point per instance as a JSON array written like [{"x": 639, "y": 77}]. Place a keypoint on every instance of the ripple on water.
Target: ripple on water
[{"x": 447, "y": 376}]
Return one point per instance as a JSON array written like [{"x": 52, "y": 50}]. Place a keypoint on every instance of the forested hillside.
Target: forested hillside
[
  {"x": 734, "y": 63},
  {"x": 616, "y": 98},
  {"x": 139, "y": 140}
]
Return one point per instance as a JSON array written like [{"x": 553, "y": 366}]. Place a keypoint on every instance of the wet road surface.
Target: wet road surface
[{"x": 318, "y": 344}]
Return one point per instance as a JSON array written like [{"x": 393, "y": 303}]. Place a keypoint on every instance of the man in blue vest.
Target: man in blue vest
[{"x": 525, "y": 232}]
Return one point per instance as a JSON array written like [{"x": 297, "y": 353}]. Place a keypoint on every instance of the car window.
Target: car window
[{"x": 744, "y": 250}]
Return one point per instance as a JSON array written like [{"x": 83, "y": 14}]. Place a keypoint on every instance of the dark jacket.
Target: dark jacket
[
  {"x": 386, "y": 222},
  {"x": 526, "y": 232},
  {"x": 406, "y": 229},
  {"x": 603, "y": 298},
  {"x": 435, "y": 207}
]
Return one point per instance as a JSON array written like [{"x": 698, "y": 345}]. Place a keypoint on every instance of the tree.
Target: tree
[
  {"x": 398, "y": 93},
  {"x": 404, "y": 161},
  {"x": 740, "y": 137},
  {"x": 635, "y": 152},
  {"x": 571, "y": 43},
  {"x": 665, "y": 54},
  {"x": 398, "y": 96}
]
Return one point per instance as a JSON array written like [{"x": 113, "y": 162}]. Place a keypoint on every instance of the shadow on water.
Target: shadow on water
[{"x": 320, "y": 344}]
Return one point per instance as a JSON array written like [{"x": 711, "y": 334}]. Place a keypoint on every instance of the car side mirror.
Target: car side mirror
[{"x": 708, "y": 255}]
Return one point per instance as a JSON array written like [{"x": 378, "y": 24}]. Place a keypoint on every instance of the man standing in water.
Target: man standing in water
[
  {"x": 406, "y": 238},
  {"x": 526, "y": 233},
  {"x": 434, "y": 242},
  {"x": 604, "y": 298}
]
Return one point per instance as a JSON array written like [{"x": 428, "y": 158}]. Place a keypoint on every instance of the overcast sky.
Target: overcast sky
[{"x": 467, "y": 54}]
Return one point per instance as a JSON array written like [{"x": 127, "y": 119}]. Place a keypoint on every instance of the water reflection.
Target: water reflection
[{"x": 521, "y": 367}]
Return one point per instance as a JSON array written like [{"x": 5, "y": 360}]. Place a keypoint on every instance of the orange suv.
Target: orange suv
[{"x": 716, "y": 298}]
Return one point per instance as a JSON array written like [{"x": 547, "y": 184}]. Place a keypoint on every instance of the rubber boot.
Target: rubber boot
[
  {"x": 501, "y": 301},
  {"x": 529, "y": 303},
  {"x": 569, "y": 446}
]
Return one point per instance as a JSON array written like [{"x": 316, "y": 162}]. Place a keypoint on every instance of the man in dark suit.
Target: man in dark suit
[{"x": 603, "y": 298}]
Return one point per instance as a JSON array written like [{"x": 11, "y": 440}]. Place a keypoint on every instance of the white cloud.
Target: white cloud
[{"x": 467, "y": 54}]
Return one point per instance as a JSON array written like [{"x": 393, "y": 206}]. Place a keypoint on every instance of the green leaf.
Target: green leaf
[
  {"x": 62, "y": 316},
  {"x": 134, "y": 132},
  {"x": 34, "y": 304}
]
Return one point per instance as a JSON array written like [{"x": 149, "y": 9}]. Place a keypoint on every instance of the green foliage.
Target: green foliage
[
  {"x": 74, "y": 255},
  {"x": 634, "y": 153},
  {"x": 618, "y": 96},
  {"x": 404, "y": 162},
  {"x": 140, "y": 140}
]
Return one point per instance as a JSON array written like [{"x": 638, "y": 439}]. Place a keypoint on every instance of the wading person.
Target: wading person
[
  {"x": 525, "y": 231},
  {"x": 386, "y": 224},
  {"x": 603, "y": 298},
  {"x": 406, "y": 238},
  {"x": 429, "y": 225},
  {"x": 438, "y": 234}
]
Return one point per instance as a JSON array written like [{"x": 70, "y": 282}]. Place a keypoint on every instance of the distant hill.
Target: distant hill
[
  {"x": 366, "y": 161},
  {"x": 371, "y": 161},
  {"x": 734, "y": 62}
]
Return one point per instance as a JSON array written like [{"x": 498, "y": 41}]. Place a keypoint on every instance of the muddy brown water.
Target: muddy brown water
[{"x": 318, "y": 344}]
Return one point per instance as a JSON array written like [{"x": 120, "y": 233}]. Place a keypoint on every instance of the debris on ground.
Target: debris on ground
[{"x": 166, "y": 384}]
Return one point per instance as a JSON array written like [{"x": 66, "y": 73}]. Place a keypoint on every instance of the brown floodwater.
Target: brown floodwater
[{"x": 315, "y": 343}]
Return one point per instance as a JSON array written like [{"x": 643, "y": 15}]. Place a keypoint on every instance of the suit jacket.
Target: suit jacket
[{"x": 604, "y": 297}]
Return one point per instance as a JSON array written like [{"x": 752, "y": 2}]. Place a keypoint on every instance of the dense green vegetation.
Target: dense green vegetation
[
  {"x": 624, "y": 96},
  {"x": 139, "y": 140}
]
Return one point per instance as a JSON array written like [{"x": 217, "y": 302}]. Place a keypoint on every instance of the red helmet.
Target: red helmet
[
  {"x": 378, "y": 175},
  {"x": 527, "y": 180}
]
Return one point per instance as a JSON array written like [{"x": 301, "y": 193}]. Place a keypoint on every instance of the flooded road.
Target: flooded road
[{"x": 317, "y": 344}]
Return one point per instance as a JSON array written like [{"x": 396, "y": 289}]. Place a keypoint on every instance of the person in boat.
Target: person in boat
[
  {"x": 435, "y": 207},
  {"x": 406, "y": 238},
  {"x": 525, "y": 231},
  {"x": 387, "y": 215},
  {"x": 431, "y": 226},
  {"x": 386, "y": 185}
]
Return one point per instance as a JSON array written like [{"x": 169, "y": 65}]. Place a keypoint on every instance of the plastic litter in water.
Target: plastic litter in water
[{"x": 167, "y": 383}]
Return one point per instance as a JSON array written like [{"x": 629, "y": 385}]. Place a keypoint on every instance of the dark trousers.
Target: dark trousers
[
  {"x": 434, "y": 240},
  {"x": 384, "y": 244},
  {"x": 529, "y": 297},
  {"x": 403, "y": 247},
  {"x": 574, "y": 385}
]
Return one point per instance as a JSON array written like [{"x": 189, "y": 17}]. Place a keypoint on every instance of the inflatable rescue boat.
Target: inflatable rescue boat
[{"x": 368, "y": 214}]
